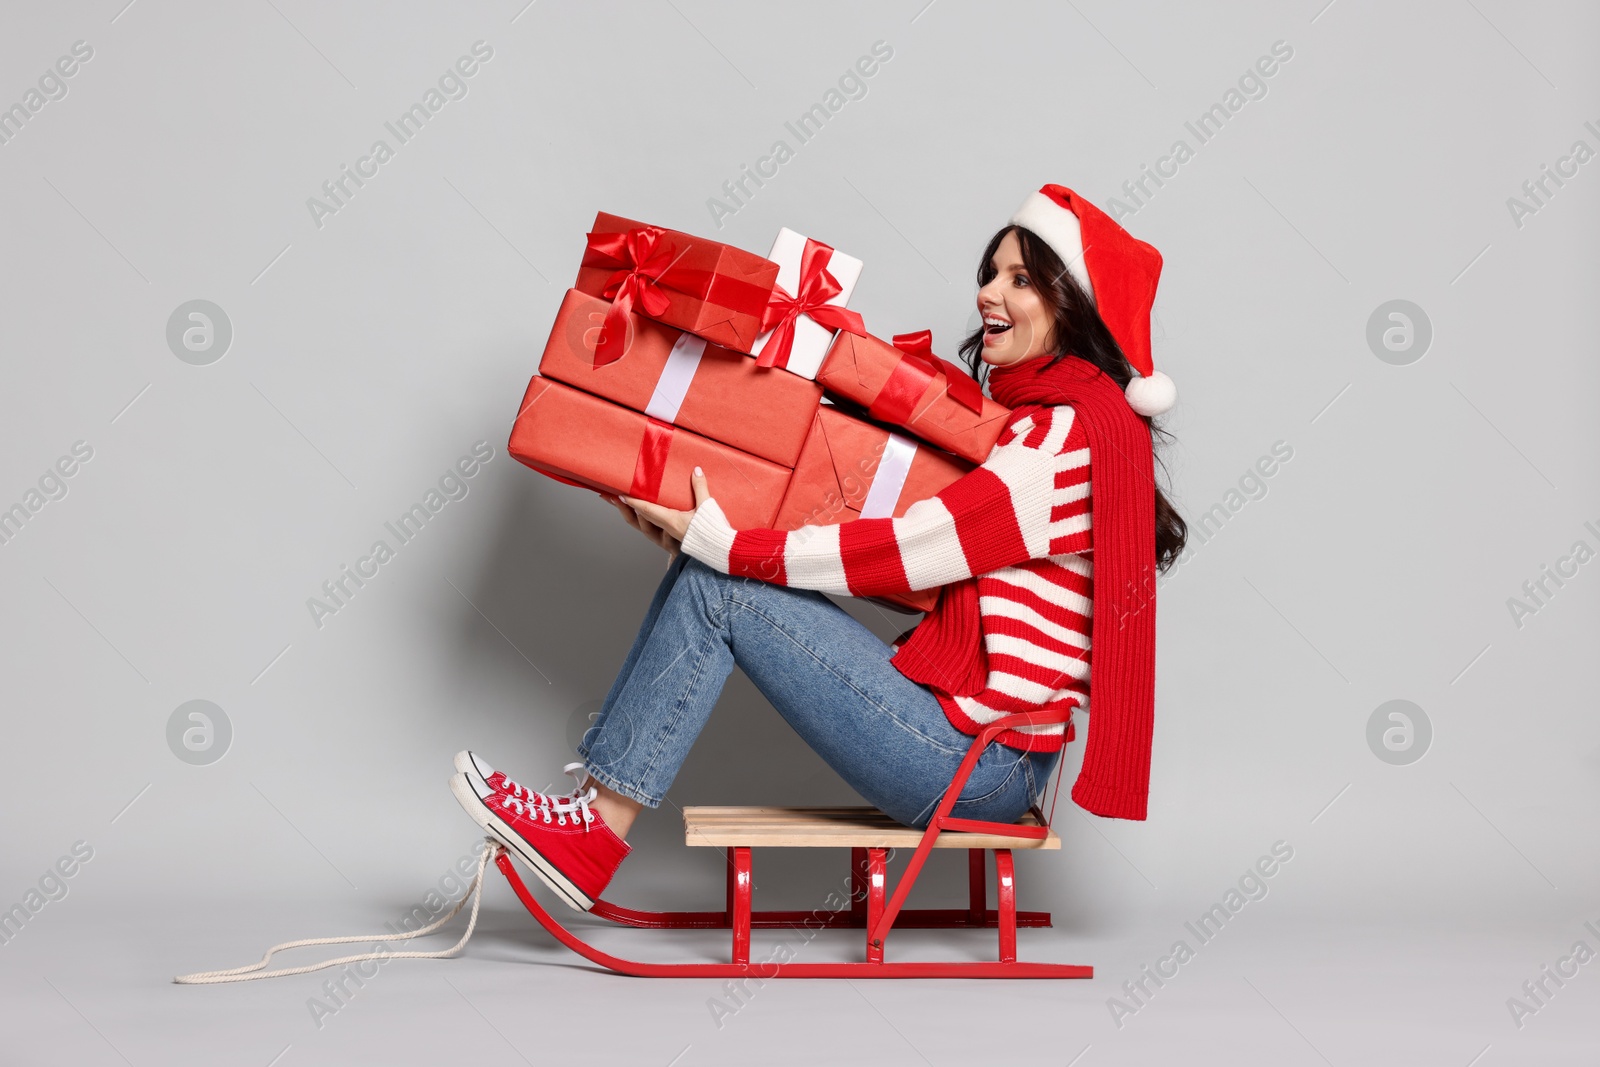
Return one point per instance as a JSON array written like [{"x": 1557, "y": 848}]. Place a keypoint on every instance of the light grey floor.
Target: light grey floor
[{"x": 1271, "y": 987}]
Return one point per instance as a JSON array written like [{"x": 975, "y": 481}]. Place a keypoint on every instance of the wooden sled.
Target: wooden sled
[{"x": 869, "y": 835}]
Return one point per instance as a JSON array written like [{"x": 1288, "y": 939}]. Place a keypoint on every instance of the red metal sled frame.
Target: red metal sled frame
[{"x": 869, "y": 909}]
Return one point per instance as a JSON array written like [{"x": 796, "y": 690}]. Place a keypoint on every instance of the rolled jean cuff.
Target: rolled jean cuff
[{"x": 617, "y": 786}]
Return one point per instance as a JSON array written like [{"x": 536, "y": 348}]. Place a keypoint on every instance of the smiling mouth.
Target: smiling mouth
[{"x": 994, "y": 327}]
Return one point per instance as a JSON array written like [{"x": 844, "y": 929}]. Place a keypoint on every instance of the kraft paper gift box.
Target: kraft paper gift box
[
  {"x": 904, "y": 383},
  {"x": 704, "y": 287},
  {"x": 583, "y": 440},
  {"x": 814, "y": 282},
  {"x": 683, "y": 379},
  {"x": 851, "y": 469}
]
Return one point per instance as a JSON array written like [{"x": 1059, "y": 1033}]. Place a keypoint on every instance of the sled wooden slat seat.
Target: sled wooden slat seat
[{"x": 835, "y": 827}]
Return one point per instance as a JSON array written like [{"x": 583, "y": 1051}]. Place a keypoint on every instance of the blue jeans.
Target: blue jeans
[{"x": 825, "y": 673}]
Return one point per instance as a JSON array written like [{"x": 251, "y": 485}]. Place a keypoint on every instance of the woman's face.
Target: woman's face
[{"x": 1017, "y": 322}]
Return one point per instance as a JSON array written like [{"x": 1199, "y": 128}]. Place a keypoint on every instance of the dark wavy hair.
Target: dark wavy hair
[{"x": 1078, "y": 330}]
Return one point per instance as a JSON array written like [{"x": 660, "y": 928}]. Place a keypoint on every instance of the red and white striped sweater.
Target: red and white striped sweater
[{"x": 1020, "y": 522}]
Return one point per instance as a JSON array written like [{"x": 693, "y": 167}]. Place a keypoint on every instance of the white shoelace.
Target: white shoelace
[
  {"x": 540, "y": 806},
  {"x": 522, "y": 792},
  {"x": 474, "y": 893}
]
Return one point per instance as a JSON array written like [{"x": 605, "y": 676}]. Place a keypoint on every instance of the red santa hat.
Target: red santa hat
[{"x": 1118, "y": 271}]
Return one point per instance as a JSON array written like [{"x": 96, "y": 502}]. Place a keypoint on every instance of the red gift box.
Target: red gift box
[
  {"x": 852, "y": 469},
  {"x": 584, "y": 440},
  {"x": 683, "y": 379},
  {"x": 705, "y": 287},
  {"x": 904, "y": 383}
]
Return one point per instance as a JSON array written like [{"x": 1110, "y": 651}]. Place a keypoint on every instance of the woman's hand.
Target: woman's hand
[{"x": 662, "y": 526}]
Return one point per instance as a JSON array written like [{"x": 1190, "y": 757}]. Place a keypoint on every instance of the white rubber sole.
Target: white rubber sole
[
  {"x": 485, "y": 817},
  {"x": 466, "y": 766}
]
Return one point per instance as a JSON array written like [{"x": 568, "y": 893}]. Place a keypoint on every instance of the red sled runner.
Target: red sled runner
[{"x": 869, "y": 835}]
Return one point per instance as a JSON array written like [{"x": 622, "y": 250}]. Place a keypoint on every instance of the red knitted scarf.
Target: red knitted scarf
[{"x": 946, "y": 649}]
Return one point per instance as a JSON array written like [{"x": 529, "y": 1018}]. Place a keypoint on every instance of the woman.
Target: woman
[{"x": 1065, "y": 297}]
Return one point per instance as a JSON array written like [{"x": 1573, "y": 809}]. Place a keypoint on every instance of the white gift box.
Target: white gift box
[{"x": 811, "y": 338}]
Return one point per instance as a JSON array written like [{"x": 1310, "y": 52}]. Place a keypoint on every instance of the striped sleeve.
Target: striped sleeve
[{"x": 1028, "y": 500}]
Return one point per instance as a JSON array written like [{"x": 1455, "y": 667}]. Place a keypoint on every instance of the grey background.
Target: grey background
[{"x": 369, "y": 354}]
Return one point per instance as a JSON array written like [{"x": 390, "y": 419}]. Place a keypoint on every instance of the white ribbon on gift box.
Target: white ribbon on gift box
[
  {"x": 884, "y": 492},
  {"x": 673, "y": 385}
]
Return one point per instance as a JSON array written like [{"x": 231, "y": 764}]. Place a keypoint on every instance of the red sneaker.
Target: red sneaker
[
  {"x": 482, "y": 776},
  {"x": 565, "y": 843}
]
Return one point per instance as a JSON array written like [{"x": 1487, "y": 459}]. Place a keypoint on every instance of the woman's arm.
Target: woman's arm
[{"x": 1029, "y": 499}]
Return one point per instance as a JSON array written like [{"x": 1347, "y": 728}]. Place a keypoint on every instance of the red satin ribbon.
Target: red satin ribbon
[
  {"x": 816, "y": 288},
  {"x": 641, "y": 256},
  {"x": 896, "y": 401},
  {"x": 652, "y": 461}
]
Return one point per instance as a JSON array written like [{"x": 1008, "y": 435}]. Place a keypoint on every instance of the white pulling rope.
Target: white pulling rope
[{"x": 492, "y": 848}]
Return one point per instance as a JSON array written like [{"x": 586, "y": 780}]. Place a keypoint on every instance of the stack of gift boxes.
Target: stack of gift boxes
[{"x": 673, "y": 351}]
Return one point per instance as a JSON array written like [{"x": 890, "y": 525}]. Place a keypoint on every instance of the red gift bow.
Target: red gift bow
[
  {"x": 641, "y": 256},
  {"x": 909, "y": 380},
  {"x": 817, "y": 287}
]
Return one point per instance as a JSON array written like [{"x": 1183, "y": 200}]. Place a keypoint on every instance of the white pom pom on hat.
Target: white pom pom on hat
[
  {"x": 1153, "y": 394},
  {"x": 1117, "y": 270}
]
